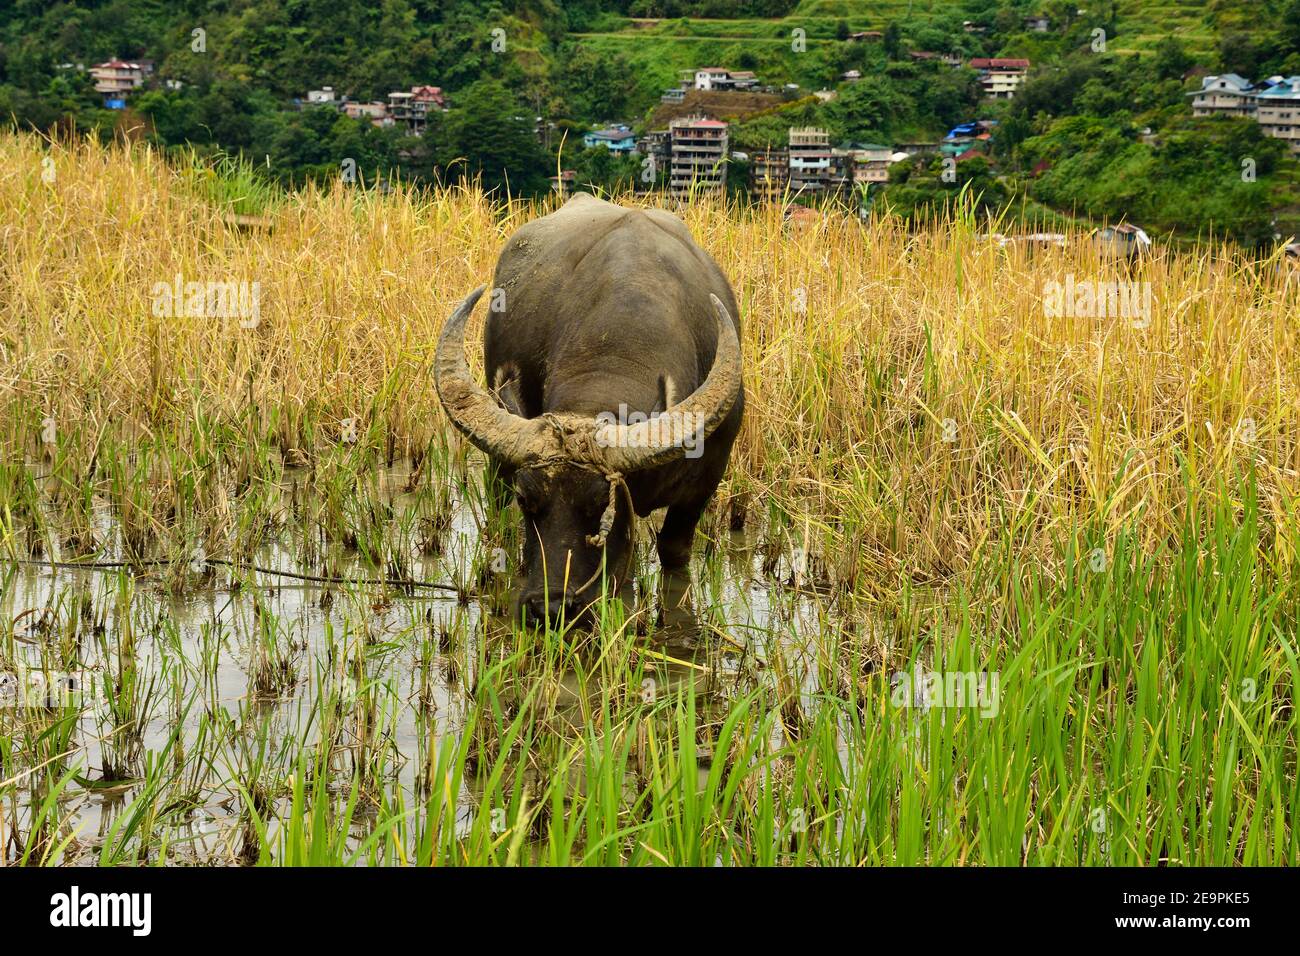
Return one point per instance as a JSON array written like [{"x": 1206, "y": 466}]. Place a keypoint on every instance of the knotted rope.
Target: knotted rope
[
  {"x": 579, "y": 449},
  {"x": 616, "y": 481}
]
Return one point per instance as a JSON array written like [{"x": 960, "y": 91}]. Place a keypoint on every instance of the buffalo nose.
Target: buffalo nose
[{"x": 550, "y": 607}]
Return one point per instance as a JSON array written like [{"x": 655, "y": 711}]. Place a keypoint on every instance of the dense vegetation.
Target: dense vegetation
[{"x": 1102, "y": 130}]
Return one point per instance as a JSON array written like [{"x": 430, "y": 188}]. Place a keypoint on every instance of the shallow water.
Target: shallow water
[{"x": 197, "y": 653}]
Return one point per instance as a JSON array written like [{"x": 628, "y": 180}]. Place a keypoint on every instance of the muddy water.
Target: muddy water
[{"x": 199, "y": 647}]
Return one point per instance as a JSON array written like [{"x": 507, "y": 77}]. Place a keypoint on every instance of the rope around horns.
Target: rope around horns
[{"x": 581, "y": 451}]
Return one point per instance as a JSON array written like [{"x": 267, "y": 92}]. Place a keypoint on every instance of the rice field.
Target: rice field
[{"x": 989, "y": 580}]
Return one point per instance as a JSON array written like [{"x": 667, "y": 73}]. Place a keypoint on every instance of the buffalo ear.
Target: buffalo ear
[
  {"x": 507, "y": 391},
  {"x": 667, "y": 396}
]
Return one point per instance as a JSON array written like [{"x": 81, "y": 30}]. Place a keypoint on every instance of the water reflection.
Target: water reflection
[{"x": 252, "y": 671}]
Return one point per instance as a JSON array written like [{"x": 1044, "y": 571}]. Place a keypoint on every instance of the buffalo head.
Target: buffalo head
[{"x": 569, "y": 471}]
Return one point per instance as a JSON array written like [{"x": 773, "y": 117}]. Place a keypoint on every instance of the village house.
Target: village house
[
  {"x": 851, "y": 76},
  {"x": 1000, "y": 77},
  {"x": 967, "y": 139},
  {"x": 617, "y": 139},
  {"x": 656, "y": 145},
  {"x": 413, "y": 107},
  {"x": 698, "y": 156},
  {"x": 866, "y": 35},
  {"x": 1124, "y": 240},
  {"x": 711, "y": 78},
  {"x": 1037, "y": 23},
  {"x": 1224, "y": 95},
  {"x": 1277, "y": 110},
  {"x": 322, "y": 97},
  {"x": 114, "y": 79},
  {"x": 675, "y": 94},
  {"x": 769, "y": 174},
  {"x": 716, "y": 78},
  {"x": 870, "y": 161},
  {"x": 563, "y": 183},
  {"x": 810, "y": 159},
  {"x": 374, "y": 111},
  {"x": 841, "y": 171}
]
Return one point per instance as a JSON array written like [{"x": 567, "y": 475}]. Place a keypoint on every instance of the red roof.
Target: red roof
[
  {"x": 969, "y": 154},
  {"x": 997, "y": 62},
  {"x": 117, "y": 65}
]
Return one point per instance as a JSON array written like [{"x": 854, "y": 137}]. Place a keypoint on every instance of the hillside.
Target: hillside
[
  {"x": 724, "y": 105},
  {"x": 524, "y": 77}
]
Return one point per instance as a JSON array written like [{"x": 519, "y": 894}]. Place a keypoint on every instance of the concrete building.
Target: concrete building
[
  {"x": 1224, "y": 95},
  {"x": 1000, "y": 77},
  {"x": 699, "y": 156},
  {"x": 374, "y": 111},
  {"x": 114, "y": 79},
  {"x": 325, "y": 96},
  {"x": 870, "y": 161},
  {"x": 1277, "y": 110},
  {"x": 810, "y": 159},
  {"x": 841, "y": 171},
  {"x": 769, "y": 174},
  {"x": 712, "y": 78},
  {"x": 412, "y": 107},
  {"x": 716, "y": 78}
]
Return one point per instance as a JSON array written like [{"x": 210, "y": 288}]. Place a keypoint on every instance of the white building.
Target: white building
[
  {"x": 1000, "y": 77},
  {"x": 116, "y": 78},
  {"x": 1225, "y": 95},
  {"x": 712, "y": 78}
]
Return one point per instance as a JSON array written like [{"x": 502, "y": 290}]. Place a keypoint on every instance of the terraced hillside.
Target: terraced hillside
[{"x": 663, "y": 46}]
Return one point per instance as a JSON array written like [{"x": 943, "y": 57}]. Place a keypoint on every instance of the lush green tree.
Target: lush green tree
[
  {"x": 893, "y": 40},
  {"x": 1242, "y": 53},
  {"x": 490, "y": 134},
  {"x": 925, "y": 185},
  {"x": 1172, "y": 58},
  {"x": 866, "y": 107},
  {"x": 594, "y": 84},
  {"x": 1290, "y": 26}
]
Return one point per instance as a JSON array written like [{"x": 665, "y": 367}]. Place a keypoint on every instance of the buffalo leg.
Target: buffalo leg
[{"x": 678, "y": 533}]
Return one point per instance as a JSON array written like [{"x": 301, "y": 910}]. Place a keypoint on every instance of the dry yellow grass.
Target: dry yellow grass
[{"x": 866, "y": 347}]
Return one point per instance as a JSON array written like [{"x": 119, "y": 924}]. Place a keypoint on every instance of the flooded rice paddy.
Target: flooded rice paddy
[{"x": 166, "y": 712}]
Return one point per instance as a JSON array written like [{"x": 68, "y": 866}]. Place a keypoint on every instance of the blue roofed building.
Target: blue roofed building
[
  {"x": 617, "y": 139},
  {"x": 1277, "y": 110}
]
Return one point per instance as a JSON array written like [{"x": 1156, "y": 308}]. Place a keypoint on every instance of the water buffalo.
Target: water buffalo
[{"x": 616, "y": 387}]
